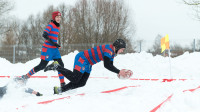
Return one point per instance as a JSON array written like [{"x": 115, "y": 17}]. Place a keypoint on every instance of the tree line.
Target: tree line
[{"x": 88, "y": 22}]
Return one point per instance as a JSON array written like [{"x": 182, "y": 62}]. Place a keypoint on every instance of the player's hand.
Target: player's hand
[
  {"x": 57, "y": 45},
  {"x": 125, "y": 74}
]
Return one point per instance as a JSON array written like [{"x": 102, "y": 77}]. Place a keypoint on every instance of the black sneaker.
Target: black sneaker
[
  {"x": 57, "y": 90},
  {"x": 52, "y": 66}
]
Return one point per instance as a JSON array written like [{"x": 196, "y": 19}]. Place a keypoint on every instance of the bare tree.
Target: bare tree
[
  {"x": 99, "y": 21},
  {"x": 176, "y": 47},
  {"x": 66, "y": 28},
  {"x": 156, "y": 49},
  {"x": 35, "y": 30},
  {"x": 176, "y": 50},
  {"x": 198, "y": 45},
  {"x": 10, "y": 37},
  {"x": 195, "y": 4},
  {"x": 87, "y": 24},
  {"x": 192, "y": 2},
  {"x": 5, "y": 7}
]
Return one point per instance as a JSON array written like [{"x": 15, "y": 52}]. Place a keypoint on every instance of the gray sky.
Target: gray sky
[{"x": 151, "y": 17}]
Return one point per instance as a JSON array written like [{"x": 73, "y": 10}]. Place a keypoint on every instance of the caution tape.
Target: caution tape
[
  {"x": 110, "y": 91},
  {"x": 157, "y": 107},
  {"x": 163, "y": 80},
  {"x": 168, "y": 99},
  {"x": 82, "y": 94},
  {"x": 192, "y": 90},
  {"x": 118, "y": 89},
  {"x": 137, "y": 79}
]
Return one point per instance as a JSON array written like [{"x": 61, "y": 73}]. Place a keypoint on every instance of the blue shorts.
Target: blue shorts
[
  {"x": 81, "y": 63},
  {"x": 49, "y": 54}
]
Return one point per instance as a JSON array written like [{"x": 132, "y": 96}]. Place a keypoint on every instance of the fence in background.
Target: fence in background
[{"x": 19, "y": 53}]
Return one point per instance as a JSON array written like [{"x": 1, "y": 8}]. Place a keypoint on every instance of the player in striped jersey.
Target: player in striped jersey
[
  {"x": 49, "y": 49},
  {"x": 85, "y": 60}
]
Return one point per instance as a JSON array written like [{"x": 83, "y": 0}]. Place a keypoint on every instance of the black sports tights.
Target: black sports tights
[
  {"x": 43, "y": 64},
  {"x": 76, "y": 78}
]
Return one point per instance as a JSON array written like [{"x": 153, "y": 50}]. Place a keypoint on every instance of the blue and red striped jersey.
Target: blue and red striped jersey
[
  {"x": 96, "y": 54},
  {"x": 53, "y": 32}
]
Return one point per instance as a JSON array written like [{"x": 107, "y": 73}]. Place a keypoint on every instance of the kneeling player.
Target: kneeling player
[{"x": 85, "y": 60}]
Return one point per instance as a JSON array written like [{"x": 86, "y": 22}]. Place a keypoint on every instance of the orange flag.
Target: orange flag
[{"x": 164, "y": 43}]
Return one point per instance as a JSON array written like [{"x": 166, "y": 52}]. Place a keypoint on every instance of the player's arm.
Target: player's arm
[
  {"x": 45, "y": 35},
  {"x": 31, "y": 91},
  {"x": 122, "y": 74},
  {"x": 108, "y": 64}
]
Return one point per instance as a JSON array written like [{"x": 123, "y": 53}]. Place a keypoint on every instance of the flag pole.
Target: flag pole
[
  {"x": 169, "y": 53},
  {"x": 164, "y": 46},
  {"x": 172, "y": 87}
]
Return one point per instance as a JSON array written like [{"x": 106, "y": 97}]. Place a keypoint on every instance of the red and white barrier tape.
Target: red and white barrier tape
[
  {"x": 192, "y": 90},
  {"x": 110, "y": 91},
  {"x": 168, "y": 99},
  {"x": 82, "y": 94},
  {"x": 163, "y": 80},
  {"x": 138, "y": 79},
  {"x": 157, "y": 107}
]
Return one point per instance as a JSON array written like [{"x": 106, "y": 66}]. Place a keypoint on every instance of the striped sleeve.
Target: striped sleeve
[
  {"x": 107, "y": 52},
  {"x": 48, "y": 28}
]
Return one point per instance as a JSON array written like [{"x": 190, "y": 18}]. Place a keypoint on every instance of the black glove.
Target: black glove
[
  {"x": 57, "y": 45},
  {"x": 39, "y": 94},
  {"x": 45, "y": 35}
]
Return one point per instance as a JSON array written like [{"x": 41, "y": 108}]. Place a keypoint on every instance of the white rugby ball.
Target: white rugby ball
[{"x": 127, "y": 75}]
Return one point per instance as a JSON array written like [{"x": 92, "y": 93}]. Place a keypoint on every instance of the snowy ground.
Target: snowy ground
[{"x": 136, "y": 94}]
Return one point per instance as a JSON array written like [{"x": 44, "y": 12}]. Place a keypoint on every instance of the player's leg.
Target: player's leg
[
  {"x": 76, "y": 84},
  {"x": 57, "y": 57},
  {"x": 67, "y": 73},
  {"x": 71, "y": 76},
  {"x": 40, "y": 66},
  {"x": 61, "y": 77},
  {"x": 80, "y": 66},
  {"x": 31, "y": 91},
  {"x": 46, "y": 56}
]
